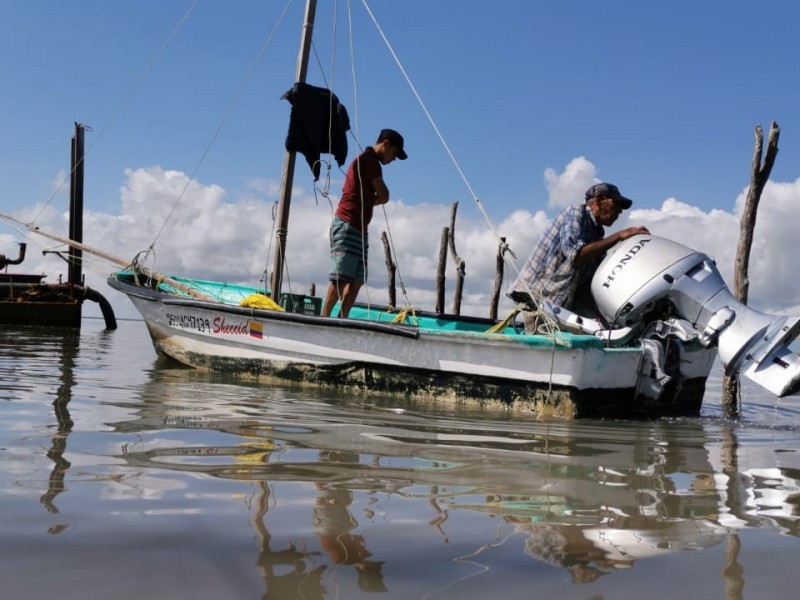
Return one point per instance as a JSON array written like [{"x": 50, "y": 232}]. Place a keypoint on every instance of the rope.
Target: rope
[
  {"x": 502, "y": 244},
  {"x": 406, "y": 300},
  {"x": 122, "y": 104},
  {"x": 260, "y": 301},
  {"x": 324, "y": 189},
  {"x": 358, "y": 171},
  {"x": 393, "y": 251},
  {"x": 89, "y": 260},
  {"x": 404, "y": 313},
  {"x": 231, "y": 106},
  {"x": 265, "y": 273},
  {"x": 499, "y": 327},
  {"x": 438, "y": 132}
]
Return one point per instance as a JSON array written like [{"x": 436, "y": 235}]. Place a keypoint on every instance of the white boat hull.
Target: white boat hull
[{"x": 512, "y": 370}]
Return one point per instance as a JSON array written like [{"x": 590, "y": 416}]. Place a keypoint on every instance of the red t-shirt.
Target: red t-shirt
[{"x": 357, "y": 187}]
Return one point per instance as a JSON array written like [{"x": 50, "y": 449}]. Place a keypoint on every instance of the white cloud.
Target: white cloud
[
  {"x": 211, "y": 236},
  {"x": 567, "y": 188}
]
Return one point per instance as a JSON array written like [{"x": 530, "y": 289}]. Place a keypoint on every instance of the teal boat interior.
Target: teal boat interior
[{"x": 233, "y": 294}]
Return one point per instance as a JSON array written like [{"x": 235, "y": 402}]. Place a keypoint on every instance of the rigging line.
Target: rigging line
[
  {"x": 396, "y": 260},
  {"x": 231, "y": 106},
  {"x": 333, "y": 75},
  {"x": 125, "y": 100},
  {"x": 329, "y": 87},
  {"x": 80, "y": 246},
  {"x": 265, "y": 275},
  {"x": 25, "y": 230},
  {"x": 325, "y": 188},
  {"x": 356, "y": 139},
  {"x": 20, "y": 228},
  {"x": 319, "y": 64},
  {"x": 438, "y": 132},
  {"x": 357, "y": 164},
  {"x": 422, "y": 105},
  {"x": 356, "y": 135}
]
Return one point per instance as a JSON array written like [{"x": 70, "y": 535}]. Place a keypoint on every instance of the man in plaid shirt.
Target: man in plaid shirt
[{"x": 562, "y": 263}]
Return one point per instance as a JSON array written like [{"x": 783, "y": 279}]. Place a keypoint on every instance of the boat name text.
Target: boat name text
[
  {"x": 217, "y": 326},
  {"x": 220, "y": 326}
]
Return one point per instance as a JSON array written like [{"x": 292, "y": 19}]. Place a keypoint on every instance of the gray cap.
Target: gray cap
[{"x": 610, "y": 190}]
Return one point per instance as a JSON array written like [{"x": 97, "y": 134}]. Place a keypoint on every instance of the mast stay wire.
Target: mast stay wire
[
  {"x": 351, "y": 38},
  {"x": 234, "y": 101},
  {"x": 148, "y": 67},
  {"x": 325, "y": 190},
  {"x": 25, "y": 230},
  {"x": 357, "y": 137},
  {"x": 504, "y": 246}
]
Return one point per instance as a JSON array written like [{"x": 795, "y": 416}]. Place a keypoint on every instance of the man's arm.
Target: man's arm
[
  {"x": 592, "y": 250},
  {"x": 381, "y": 191}
]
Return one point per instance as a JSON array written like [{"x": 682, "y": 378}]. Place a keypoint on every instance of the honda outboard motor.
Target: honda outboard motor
[{"x": 645, "y": 277}]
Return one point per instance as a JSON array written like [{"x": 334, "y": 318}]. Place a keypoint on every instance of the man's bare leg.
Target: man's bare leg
[
  {"x": 331, "y": 298},
  {"x": 349, "y": 297}
]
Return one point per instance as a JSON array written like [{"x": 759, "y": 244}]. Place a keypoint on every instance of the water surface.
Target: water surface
[{"x": 126, "y": 476}]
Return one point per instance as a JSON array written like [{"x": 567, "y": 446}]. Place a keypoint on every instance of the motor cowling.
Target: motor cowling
[{"x": 646, "y": 274}]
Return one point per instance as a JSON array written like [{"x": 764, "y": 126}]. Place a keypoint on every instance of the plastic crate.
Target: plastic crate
[{"x": 304, "y": 305}]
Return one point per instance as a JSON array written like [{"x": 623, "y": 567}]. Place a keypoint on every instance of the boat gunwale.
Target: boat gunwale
[
  {"x": 566, "y": 341},
  {"x": 159, "y": 296}
]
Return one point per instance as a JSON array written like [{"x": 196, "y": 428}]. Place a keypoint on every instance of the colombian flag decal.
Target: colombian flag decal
[{"x": 256, "y": 330}]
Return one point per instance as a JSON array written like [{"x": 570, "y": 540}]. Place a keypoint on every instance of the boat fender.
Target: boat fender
[{"x": 105, "y": 307}]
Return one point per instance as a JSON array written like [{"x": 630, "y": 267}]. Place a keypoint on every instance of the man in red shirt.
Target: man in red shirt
[{"x": 363, "y": 189}]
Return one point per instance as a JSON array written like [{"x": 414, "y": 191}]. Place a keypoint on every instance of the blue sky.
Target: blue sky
[{"x": 536, "y": 101}]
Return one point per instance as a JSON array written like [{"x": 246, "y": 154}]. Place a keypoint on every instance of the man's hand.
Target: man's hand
[
  {"x": 595, "y": 249},
  {"x": 630, "y": 232}
]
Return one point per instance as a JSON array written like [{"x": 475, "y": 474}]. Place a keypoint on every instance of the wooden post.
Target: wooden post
[
  {"x": 741, "y": 284},
  {"x": 498, "y": 279},
  {"x": 391, "y": 269},
  {"x": 460, "y": 265},
  {"x": 440, "y": 271},
  {"x": 736, "y": 504},
  {"x": 75, "y": 274}
]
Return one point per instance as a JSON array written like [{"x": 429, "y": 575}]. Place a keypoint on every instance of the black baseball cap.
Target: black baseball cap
[
  {"x": 610, "y": 190},
  {"x": 395, "y": 139}
]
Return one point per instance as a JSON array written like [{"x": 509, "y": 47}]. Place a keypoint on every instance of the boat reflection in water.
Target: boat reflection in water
[{"x": 592, "y": 498}]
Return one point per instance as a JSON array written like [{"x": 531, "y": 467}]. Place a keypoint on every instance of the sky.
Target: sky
[{"x": 512, "y": 109}]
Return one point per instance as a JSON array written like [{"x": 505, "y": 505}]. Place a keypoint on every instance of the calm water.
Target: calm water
[{"x": 123, "y": 476}]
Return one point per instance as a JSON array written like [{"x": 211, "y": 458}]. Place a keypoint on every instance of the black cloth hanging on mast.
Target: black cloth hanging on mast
[{"x": 318, "y": 123}]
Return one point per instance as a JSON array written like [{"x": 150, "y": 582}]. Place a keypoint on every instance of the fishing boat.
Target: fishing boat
[{"x": 667, "y": 314}]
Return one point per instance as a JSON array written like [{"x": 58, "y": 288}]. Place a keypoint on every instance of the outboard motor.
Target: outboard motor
[{"x": 645, "y": 277}]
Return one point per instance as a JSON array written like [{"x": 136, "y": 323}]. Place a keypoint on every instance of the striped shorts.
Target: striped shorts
[{"x": 349, "y": 246}]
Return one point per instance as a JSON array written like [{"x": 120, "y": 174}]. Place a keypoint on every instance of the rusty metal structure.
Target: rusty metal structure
[{"x": 24, "y": 297}]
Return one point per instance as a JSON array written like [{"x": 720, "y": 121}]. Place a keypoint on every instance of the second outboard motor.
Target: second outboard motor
[{"x": 646, "y": 275}]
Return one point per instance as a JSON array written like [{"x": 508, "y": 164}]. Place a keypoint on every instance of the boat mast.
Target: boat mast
[{"x": 289, "y": 159}]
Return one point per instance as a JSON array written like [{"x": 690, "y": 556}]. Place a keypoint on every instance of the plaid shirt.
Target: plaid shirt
[{"x": 549, "y": 271}]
